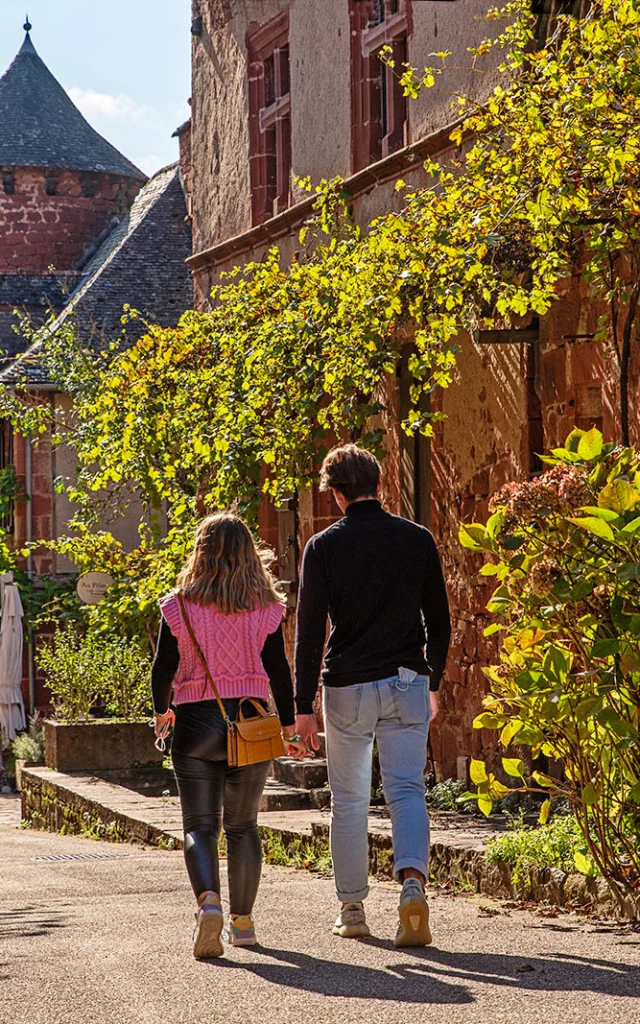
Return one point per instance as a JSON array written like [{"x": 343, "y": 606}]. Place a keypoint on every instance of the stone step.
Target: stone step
[
  {"x": 277, "y": 796},
  {"x": 307, "y": 774}
]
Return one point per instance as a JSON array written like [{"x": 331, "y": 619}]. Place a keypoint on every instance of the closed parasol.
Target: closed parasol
[{"x": 12, "y": 714}]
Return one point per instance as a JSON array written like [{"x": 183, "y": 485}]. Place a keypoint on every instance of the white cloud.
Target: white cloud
[
  {"x": 150, "y": 163},
  {"x": 119, "y": 107}
]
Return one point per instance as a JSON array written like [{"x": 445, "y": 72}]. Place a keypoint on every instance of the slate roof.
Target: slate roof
[
  {"x": 141, "y": 262},
  {"x": 41, "y": 127}
]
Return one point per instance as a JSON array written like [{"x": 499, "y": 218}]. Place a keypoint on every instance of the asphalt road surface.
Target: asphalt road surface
[{"x": 104, "y": 937}]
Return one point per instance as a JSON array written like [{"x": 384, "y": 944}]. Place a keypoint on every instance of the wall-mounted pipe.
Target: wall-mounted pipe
[{"x": 28, "y": 486}]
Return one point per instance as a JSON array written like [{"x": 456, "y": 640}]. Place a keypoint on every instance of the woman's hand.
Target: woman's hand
[
  {"x": 162, "y": 723},
  {"x": 296, "y": 746}
]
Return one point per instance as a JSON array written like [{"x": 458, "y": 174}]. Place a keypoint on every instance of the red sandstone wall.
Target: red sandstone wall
[{"x": 39, "y": 230}]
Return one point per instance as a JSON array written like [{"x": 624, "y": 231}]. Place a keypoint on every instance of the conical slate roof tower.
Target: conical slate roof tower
[{"x": 41, "y": 127}]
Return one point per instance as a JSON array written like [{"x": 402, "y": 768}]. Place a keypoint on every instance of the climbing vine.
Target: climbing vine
[{"x": 244, "y": 399}]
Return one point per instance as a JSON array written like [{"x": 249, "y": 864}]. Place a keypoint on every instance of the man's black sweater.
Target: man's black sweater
[{"x": 378, "y": 578}]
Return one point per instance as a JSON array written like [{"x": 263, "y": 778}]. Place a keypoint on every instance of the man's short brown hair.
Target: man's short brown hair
[{"x": 353, "y": 471}]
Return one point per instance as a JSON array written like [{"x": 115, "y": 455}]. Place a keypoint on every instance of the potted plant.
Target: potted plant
[{"x": 87, "y": 672}]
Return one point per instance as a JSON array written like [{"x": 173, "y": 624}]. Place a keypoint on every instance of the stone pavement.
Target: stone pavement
[
  {"x": 92, "y": 933},
  {"x": 9, "y": 809}
]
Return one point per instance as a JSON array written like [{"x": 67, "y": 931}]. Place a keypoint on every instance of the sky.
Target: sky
[{"x": 125, "y": 64}]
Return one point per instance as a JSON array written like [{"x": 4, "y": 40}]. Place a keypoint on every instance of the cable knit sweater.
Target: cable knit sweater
[{"x": 231, "y": 644}]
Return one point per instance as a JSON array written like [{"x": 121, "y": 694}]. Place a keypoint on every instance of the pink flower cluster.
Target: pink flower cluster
[{"x": 559, "y": 490}]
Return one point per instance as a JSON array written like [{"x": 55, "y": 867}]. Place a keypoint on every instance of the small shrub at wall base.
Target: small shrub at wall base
[
  {"x": 558, "y": 844},
  {"x": 565, "y": 552},
  {"x": 82, "y": 669},
  {"x": 29, "y": 746}
]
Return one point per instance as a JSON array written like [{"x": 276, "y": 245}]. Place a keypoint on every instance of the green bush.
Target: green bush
[
  {"x": 559, "y": 844},
  {"x": 29, "y": 746},
  {"x": 566, "y": 551},
  {"x": 126, "y": 679},
  {"x": 84, "y": 669},
  {"x": 445, "y": 796}
]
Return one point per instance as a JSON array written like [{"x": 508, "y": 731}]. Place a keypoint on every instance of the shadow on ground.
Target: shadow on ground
[
  {"x": 437, "y": 976},
  {"x": 26, "y": 922}
]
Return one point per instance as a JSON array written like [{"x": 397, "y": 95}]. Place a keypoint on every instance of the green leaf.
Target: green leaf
[
  {"x": 593, "y": 525},
  {"x": 583, "y": 863},
  {"x": 510, "y": 730},
  {"x": 619, "y": 496},
  {"x": 473, "y": 536},
  {"x": 632, "y": 527},
  {"x": 590, "y": 445},
  {"x": 495, "y": 627},
  {"x": 545, "y": 810},
  {"x": 513, "y": 766},
  {"x": 573, "y": 440},
  {"x": 496, "y": 789},
  {"x": 562, "y": 589},
  {"x": 489, "y": 569},
  {"x": 544, "y": 780},
  {"x": 488, "y": 721},
  {"x": 478, "y": 772},
  {"x": 629, "y": 571},
  {"x": 601, "y": 513},
  {"x": 485, "y": 804},
  {"x": 589, "y": 794},
  {"x": 634, "y": 794},
  {"x": 605, "y": 648}
]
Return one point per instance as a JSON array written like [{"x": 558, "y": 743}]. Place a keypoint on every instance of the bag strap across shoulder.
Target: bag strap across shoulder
[{"x": 203, "y": 660}]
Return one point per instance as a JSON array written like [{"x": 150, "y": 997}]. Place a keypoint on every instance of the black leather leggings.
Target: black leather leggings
[{"x": 214, "y": 795}]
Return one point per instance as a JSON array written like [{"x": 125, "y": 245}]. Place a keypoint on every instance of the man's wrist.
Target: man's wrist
[{"x": 304, "y": 707}]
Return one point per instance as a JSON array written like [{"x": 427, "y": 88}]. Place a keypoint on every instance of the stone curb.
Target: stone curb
[{"x": 49, "y": 805}]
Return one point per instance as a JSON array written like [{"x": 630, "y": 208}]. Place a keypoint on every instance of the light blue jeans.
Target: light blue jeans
[{"x": 396, "y": 713}]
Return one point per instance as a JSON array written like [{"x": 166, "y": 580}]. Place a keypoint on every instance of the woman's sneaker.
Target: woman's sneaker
[
  {"x": 351, "y": 923},
  {"x": 242, "y": 931},
  {"x": 209, "y": 921},
  {"x": 413, "y": 929}
]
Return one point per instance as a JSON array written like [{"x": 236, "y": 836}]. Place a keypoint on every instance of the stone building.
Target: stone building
[
  {"x": 286, "y": 88},
  {"x": 82, "y": 232}
]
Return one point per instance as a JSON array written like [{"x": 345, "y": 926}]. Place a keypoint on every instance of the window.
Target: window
[
  {"x": 378, "y": 107},
  {"x": 547, "y": 12},
  {"x": 269, "y": 118}
]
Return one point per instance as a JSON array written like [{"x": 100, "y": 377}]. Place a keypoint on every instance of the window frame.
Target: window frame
[
  {"x": 379, "y": 111},
  {"x": 269, "y": 119}
]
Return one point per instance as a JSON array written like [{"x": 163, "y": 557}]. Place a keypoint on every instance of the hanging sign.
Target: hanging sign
[{"x": 92, "y": 586}]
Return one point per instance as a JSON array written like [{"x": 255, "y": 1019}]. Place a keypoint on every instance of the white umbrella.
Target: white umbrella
[{"x": 12, "y": 716}]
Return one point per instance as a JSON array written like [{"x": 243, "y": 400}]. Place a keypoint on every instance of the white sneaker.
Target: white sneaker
[
  {"x": 413, "y": 929},
  {"x": 209, "y": 921},
  {"x": 351, "y": 923}
]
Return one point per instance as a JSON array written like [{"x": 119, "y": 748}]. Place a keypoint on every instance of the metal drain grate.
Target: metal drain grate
[{"x": 82, "y": 856}]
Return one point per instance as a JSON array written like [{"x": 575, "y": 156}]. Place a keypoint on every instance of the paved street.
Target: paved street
[{"x": 104, "y": 937}]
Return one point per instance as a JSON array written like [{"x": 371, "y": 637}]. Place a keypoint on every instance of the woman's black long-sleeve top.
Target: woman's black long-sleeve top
[{"x": 274, "y": 659}]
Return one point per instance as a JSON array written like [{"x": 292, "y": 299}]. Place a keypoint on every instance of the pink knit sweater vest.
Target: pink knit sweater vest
[{"x": 231, "y": 644}]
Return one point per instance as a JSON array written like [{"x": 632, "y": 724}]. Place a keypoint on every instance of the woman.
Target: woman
[{"x": 235, "y": 610}]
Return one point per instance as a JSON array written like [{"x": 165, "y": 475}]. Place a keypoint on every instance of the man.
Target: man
[{"x": 378, "y": 578}]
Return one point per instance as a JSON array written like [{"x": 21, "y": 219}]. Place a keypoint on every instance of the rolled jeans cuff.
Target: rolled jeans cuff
[
  {"x": 410, "y": 862},
  {"x": 353, "y": 897}
]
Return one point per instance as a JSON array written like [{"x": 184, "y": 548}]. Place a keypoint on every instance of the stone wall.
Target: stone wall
[
  {"x": 52, "y": 217},
  {"x": 319, "y": 39}
]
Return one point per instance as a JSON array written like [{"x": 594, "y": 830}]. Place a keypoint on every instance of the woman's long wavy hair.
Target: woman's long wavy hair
[{"x": 228, "y": 569}]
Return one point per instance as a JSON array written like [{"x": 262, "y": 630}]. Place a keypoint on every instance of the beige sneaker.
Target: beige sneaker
[
  {"x": 413, "y": 929},
  {"x": 209, "y": 921},
  {"x": 351, "y": 923}
]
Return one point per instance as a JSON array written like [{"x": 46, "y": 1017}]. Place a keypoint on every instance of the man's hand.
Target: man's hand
[
  {"x": 435, "y": 704},
  {"x": 307, "y": 727}
]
